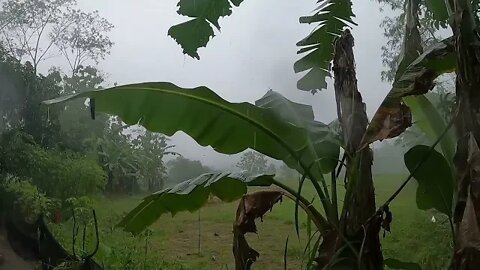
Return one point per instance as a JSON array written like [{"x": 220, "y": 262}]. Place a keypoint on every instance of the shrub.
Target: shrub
[
  {"x": 26, "y": 198},
  {"x": 57, "y": 173}
]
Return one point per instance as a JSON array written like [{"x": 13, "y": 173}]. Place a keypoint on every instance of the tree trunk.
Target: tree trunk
[
  {"x": 359, "y": 204},
  {"x": 467, "y": 157}
]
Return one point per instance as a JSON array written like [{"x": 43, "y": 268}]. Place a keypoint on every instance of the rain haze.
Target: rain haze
[
  {"x": 254, "y": 52},
  {"x": 386, "y": 185}
]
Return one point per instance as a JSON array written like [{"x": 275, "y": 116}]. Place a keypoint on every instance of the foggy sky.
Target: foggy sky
[{"x": 254, "y": 52}]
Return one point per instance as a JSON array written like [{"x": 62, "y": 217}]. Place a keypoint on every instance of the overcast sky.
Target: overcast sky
[{"x": 254, "y": 52}]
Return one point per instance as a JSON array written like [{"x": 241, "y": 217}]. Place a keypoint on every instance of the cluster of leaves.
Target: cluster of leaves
[
  {"x": 60, "y": 174},
  {"x": 431, "y": 24},
  {"x": 22, "y": 92},
  {"x": 331, "y": 17},
  {"x": 132, "y": 160},
  {"x": 25, "y": 197},
  {"x": 253, "y": 163}
]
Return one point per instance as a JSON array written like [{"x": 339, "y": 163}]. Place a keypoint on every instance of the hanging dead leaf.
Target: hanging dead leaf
[
  {"x": 251, "y": 207},
  {"x": 393, "y": 116},
  {"x": 469, "y": 231},
  {"x": 467, "y": 249}
]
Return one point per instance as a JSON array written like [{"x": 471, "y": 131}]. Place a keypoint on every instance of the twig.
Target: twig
[{"x": 97, "y": 238}]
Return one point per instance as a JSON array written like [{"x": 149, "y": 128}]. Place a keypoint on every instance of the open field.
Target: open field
[{"x": 174, "y": 241}]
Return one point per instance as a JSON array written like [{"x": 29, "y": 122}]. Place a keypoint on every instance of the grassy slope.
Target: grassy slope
[{"x": 414, "y": 237}]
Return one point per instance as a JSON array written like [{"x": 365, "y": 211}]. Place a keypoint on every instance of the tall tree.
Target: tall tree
[
  {"x": 77, "y": 128},
  {"x": 253, "y": 163},
  {"x": 152, "y": 148},
  {"x": 430, "y": 29},
  {"x": 83, "y": 39},
  {"x": 33, "y": 28}
]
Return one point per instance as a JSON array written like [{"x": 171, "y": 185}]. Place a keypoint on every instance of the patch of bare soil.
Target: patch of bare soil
[{"x": 9, "y": 260}]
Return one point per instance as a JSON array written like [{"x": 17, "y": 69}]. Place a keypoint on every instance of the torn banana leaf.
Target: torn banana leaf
[{"x": 393, "y": 116}]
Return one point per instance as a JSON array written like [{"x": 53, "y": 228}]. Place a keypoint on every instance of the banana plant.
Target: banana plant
[{"x": 275, "y": 126}]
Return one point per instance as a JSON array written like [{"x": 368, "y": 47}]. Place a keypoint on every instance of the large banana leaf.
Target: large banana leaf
[
  {"x": 331, "y": 17},
  {"x": 324, "y": 146},
  {"x": 190, "y": 195},
  {"x": 227, "y": 127}
]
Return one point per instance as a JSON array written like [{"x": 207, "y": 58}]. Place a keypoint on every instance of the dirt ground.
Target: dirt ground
[{"x": 9, "y": 260}]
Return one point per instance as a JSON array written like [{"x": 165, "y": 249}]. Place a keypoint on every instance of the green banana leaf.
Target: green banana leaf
[
  {"x": 190, "y": 195},
  {"x": 228, "y": 128},
  {"x": 324, "y": 145},
  {"x": 429, "y": 120},
  {"x": 434, "y": 177}
]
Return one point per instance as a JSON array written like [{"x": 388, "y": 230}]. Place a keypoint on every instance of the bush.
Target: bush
[
  {"x": 59, "y": 174},
  {"x": 22, "y": 196}
]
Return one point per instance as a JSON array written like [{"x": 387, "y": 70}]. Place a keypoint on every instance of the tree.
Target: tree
[
  {"x": 181, "y": 169},
  {"x": 21, "y": 105},
  {"x": 30, "y": 31},
  {"x": 25, "y": 33},
  {"x": 394, "y": 31},
  {"x": 119, "y": 159},
  {"x": 253, "y": 163},
  {"x": 77, "y": 130},
  {"x": 84, "y": 39},
  {"x": 152, "y": 148},
  {"x": 272, "y": 169},
  {"x": 32, "y": 28}
]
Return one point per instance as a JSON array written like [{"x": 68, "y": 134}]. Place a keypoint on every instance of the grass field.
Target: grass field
[{"x": 202, "y": 240}]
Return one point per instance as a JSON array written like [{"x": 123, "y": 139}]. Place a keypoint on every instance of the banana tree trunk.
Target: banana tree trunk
[
  {"x": 467, "y": 158},
  {"x": 359, "y": 203}
]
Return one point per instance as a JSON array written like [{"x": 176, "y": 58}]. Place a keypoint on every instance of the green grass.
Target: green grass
[{"x": 414, "y": 237}]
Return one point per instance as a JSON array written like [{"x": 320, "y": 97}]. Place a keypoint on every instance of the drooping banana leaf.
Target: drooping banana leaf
[
  {"x": 324, "y": 145},
  {"x": 228, "y": 128},
  {"x": 190, "y": 195}
]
